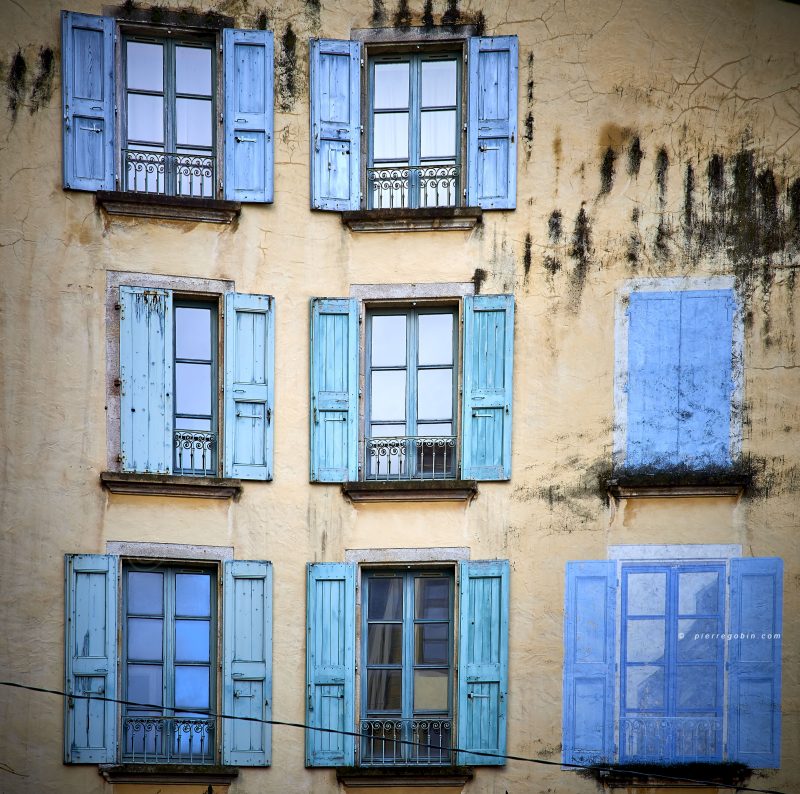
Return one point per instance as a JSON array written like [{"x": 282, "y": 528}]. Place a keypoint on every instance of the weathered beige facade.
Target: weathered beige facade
[{"x": 625, "y": 110}]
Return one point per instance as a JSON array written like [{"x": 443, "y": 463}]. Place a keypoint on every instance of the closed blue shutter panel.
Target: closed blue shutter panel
[
  {"x": 589, "y": 648},
  {"x": 754, "y": 652},
  {"x": 249, "y": 158},
  {"x": 90, "y": 727},
  {"x": 87, "y": 91},
  {"x": 492, "y": 123},
  {"x": 249, "y": 388},
  {"x": 488, "y": 370},
  {"x": 334, "y": 390},
  {"x": 483, "y": 662},
  {"x": 247, "y": 663},
  {"x": 330, "y": 663},
  {"x": 145, "y": 366},
  {"x": 335, "y": 124}
]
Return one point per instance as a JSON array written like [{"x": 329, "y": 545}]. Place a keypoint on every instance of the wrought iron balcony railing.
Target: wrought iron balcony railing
[
  {"x": 382, "y": 742},
  {"x": 414, "y": 186},
  {"x": 180, "y": 740},
  {"x": 195, "y": 453},
  {"x": 169, "y": 173},
  {"x": 652, "y": 738},
  {"x": 410, "y": 458}
]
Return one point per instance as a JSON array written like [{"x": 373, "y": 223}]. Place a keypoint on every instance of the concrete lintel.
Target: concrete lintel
[
  {"x": 413, "y": 34},
  {"x": 405, "y": 292},
  {"x": 675, "y": 551},
  {"x": 168, "y": 551},
  {"x": 441, "y": 554}
]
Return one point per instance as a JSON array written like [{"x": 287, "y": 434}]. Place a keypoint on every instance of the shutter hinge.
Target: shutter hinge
[
  {"x": 362, "y": 61},
  {"x": 269, "y": 415},
  {"x": 117, "y": 306},
  {"x": 120, "y": 458}
]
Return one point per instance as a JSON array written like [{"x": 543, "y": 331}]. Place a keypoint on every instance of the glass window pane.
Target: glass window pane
[
  {"x": 388, "y": 340},
  {"x": 697, "y": 687},
  {"x": 145, "y": 684},
  {"x": 436, "y": 429},
  {"x": 435, "y": 339},
  {"x": 388, "y": 431},
  {"x": 193, "y": 388},
  {"x": 145, "y": 118},
  {"x": 644, "y": 687},
  {"x": 645, "y": 640},
  {"x": 145, "y": 66},
  {"x": 384, "y": 643},
  {"x": 431, "y": 643},
  {"x": 432, "y": 598},
  {"x": 438, "y": 83},
  {"x": 145, "y": 593},
  {"x": 385, "y": 599},
  {"x": 692, "y": 647},
  {"x": 391, "y": 85},
  {"x": 384, "y": 690},
  {"x": 193, "y": 594},
  {"x": 698, "y": 593},
  {"x": 435, "y": 399},
  {"x": 388, "y": 396},
  {"x": 390, "y": 139},
  {"x": 438, "y": 133},
  {"x": 145, "y": 639},
  {"x": 191, "y": 687},
  {"x": 192, "y": 332},
  {"x": 193, "y": 70},
  {"x": 430, "y": 690},
  {"x": 192, "y": 641},
  {"x": 647, "y": 593},
  {"x": 193, "y": 122},
  {"x": 192, "y": 424}
]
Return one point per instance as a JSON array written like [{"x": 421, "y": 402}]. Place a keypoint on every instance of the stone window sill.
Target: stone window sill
[
  {"x": 413, "y": 220},
  {"x": 168, "y": 773},
  {"x": 666, "y": 484},
  {"x": 171, "y": 208},
  {"x": 171, "y": 485},
  {"x": 416, "y": 776},
  {"x": 411, "y": 491}
]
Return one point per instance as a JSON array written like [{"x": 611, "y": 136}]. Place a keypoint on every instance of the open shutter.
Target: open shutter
[
  {"x": 754, "y": 653},
  {"x": 488, "y": 368},
  {"x": 145, "y": 366},
  {"x": 90, "y": 727},
  {"x": 334, "y": 389},
  {"x": 249, "y": 389},
  {"x": 335, "y": 124},
  {"x": 483, "y": 662},
  {"x": 87, "y": 91},
  {"x": 330, "y": 663},
  {"x": 589, "y": 650},
  {"x": 492, "y": 122},
  {"x": 249, "y": 158},
  {"x": 247, "y": 663}
]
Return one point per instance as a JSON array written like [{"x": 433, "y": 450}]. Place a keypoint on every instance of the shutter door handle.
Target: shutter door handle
[
  {"x": 90, "y": 129},
  {"x": 237, "y": 693},
  {"x": 476, "y": 415},
  {"x": 488, "y": 148},
  {"x": 473, "y": 695},
  {"x": 240, "y": 139}
]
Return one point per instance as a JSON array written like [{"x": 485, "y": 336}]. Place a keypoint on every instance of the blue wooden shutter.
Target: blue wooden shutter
[
  {"x": 249, "y": 158},
  {"x": 247, "y": 663},
  {"x": 330, "y": 663},
  {"x": 589, "y": 650},
  {"x": 492, "y": 123},
  {"x": 334, "y": 389},
  {"x": 87, "y": 91},
  {"x": 653, "y": 379},
  {"x": 754, "y": 653},
  {"x": 90, "y": 727},
  {"x": 249, "y": 388},
  {"x": 335, "y": 124},
  {"x": 483, "y": 662},
  {"x": 145, "y": 366},
  {"x": 488, "y": 369}
]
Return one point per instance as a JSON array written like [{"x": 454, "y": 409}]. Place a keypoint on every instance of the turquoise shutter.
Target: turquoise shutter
[
  {"x": 483, "y": 662},
  {"x": 335, "y": 124},
  {"x": 90, "y": 727},
  {"x": 247, "y": 663},
  {"x": 589, "y": 651},
  {"x": 334, "y": 389},
  {"x": 754, "y": 653},
  {"x": 249, "y": 387},
  {"x": 492, "y": 123},
  {"x": 330, "y": 663},
  {"x": 145, "y": 367},
  {"x": 249, "y": 158},
  {"x": 87, "y": 92},
  {"x": 488, "y": 369}
]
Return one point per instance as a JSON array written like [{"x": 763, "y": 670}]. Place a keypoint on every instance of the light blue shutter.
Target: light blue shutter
[
  {"x": 483, "y": 661},
  {"x": 249, "y": 388},
  {"x": 492, "y": 123},
  {"x": 247, "y": 663},
  {"x": 589, "y": 649},
  {"x": 754, "y": 652},
  {"x": 330, "y": 663},
  {"x": 87, "y": 91},
  {"x": 334, "y": 389},
  {"x": 249, "y": 158},
  {"x": 335, "y": 124},
  {"x": 488, "y": 368},
  {"x": 145, "y": 366},
  {"x": 90, "y": 726}
]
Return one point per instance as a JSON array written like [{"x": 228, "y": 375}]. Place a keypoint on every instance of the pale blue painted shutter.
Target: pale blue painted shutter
[
  {"x": 87, "y": 91},
  {"x": 653, "y": 379},
  {"x": 145, "y": 367},
  {"x": 330, "y": 663},
  {"x": 483, "y": 662},
  {"x": 589, "y": 650},
  {"x": 335, "y": 124},
  {"x": 492, "y": 122},
  {"x": 249, "y": 157},
  {"x": 754, "y": 653},
  {"x": 247, "y": 663},
  {"x": 334, "y": 389},
  {"x": 90, "y": 727},
  {"x": 488, "y": 369},
  {"x": 249, "y": 387}
]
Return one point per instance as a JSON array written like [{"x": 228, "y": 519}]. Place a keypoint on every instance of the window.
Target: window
[
  {"x": 166, "y": 80},
  {"x": 410, "y": 651},
  {"x": 662, "y": 692}
]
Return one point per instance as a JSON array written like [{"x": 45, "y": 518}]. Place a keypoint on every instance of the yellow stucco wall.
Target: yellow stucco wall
[{"x": 696, "y": 79}]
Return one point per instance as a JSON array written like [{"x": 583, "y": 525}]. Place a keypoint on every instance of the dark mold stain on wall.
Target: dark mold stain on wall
[
  {"x": 526, "y": 256},
  {"x": 527, "y": 135},
  {"x": 662, "y": 230},
  {"x": 427, "y": 14},
  {"x": 42, "y": 90},
  {"x": 634, "y": 239},
  {"x": 287, "y": 66},
  {"x": 554, "y": 226},
  {"x": 402, "y": 17},
  {"x": 262, "y": 20},
  {"x": 452, "y": 15},
  {"x": 478, "y": 277},
  {"x": 580, "y": 251},
  {"x": 17, "y": 78},
  {"x": 688, "y": 198},
  {"x": 607, "y": 168},
  {"x": 635, "y": 156},
  {"x": 378, "y": 17}
]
